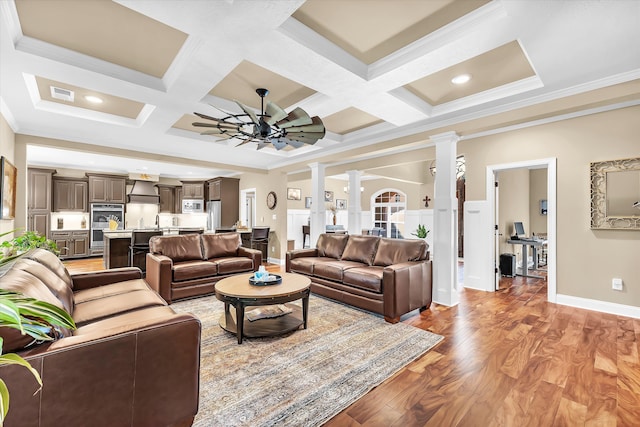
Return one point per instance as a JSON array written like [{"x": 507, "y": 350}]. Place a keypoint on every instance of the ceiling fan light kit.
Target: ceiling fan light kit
[{"x": 272, "y": 126}]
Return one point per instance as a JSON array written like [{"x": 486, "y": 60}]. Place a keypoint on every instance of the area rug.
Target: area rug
[{"x": 302, "y": 378}]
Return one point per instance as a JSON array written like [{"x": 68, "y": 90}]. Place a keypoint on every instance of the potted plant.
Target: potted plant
[
  {"x": 32, "y": 317},
  {"x": 421, "y": 232}
]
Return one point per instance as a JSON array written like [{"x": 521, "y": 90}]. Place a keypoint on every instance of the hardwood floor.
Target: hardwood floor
[{"x": 509, "y": 358}]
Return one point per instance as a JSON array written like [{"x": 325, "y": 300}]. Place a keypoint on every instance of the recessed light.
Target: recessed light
[
  {"x": 461, "y": 79},
  {"x": 93, "y": 99}
]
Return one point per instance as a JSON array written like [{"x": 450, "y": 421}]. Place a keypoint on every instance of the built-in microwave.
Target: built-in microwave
[{"x": 192, "y": 205}]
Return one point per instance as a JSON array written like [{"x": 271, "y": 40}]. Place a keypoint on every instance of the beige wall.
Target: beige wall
[
  {"x": 7, "y": 145},
  {"x": 587, "y": 259},
  {"x": 263, "y": 184},
  {"x": 537, "y": 192}
]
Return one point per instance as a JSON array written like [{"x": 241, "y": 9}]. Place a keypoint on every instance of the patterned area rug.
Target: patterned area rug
[{"x": 302, "y": 378}]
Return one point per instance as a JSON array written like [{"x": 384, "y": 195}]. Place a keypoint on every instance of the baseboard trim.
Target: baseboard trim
[{"x": 596, "y": 305}]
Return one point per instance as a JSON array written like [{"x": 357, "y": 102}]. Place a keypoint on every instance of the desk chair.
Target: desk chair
[
  {"x": 140, "y": 245},
  {"x": 306, "y": 232},
  {"x": 260, "y": 240}
]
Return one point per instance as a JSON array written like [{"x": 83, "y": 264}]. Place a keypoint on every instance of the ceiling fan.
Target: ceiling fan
[{"x": 272, "y": 126}]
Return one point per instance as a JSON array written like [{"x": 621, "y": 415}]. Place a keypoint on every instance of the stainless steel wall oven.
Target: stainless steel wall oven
[{"x": 100, "y": 216}]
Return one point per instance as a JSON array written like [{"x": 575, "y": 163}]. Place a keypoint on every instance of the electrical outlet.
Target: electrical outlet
[
  {"x": 274, "y": 216},
  {"x": 616, "y": 284},
  {"x": 273, "y": 248}
]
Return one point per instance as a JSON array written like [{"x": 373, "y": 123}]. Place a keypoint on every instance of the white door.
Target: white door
[{"x": 478, "y": 246}]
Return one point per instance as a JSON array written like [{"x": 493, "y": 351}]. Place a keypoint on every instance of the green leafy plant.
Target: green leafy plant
[
  {"x": 421, "y": 232},
  {"x": 12, "y": 249},
  {"x": 32, "y": 317}
]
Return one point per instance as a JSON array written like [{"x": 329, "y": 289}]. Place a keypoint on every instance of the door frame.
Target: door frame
[
  {"x": 243, "y": 205},
  {"x": 551, "y": 165}
]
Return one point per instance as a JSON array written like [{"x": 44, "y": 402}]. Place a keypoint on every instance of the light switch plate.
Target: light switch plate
[{"x": 616, "y": 284}]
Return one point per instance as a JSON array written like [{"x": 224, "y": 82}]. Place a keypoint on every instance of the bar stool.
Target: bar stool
[
  {"x": 260, "y": 240},
  {"x": 306, "y": 232},
  {"x": 140, "y": 245}
]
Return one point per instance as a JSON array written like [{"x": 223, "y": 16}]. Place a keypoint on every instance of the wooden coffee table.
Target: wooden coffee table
[{"x": 237, "y": 291}]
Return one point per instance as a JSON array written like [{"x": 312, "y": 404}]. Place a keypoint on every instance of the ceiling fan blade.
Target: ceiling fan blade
[
  {"x": 279, "y": 144},
  {"x": 228, "y": 126},
  {"x": 297, "y": 117},
  {"x": 294, "y": 144},
  {"x": 204, "y": 116},
  {"x": 215, "y": 131},
  {"x": 261, "y": 145},
  {"x": 249, "y": 112},
  {"x": 303, "y": 138},
  {"x": 315, "y": 126},
  {"x": 295, "y": 135},
  {"x": 274, "y": 112},
  {"x": 243, "y": 142}
]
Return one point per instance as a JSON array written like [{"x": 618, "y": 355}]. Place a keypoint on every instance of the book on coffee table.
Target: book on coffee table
[{"x": 268, "y": 311}]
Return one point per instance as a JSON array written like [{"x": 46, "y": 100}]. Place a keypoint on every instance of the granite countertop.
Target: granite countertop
[
  {"x": 65, "y": 230},
  {"x": 126, "y": 233}
]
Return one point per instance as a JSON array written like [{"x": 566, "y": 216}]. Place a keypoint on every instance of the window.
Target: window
[{"x": 388, "y": 208}]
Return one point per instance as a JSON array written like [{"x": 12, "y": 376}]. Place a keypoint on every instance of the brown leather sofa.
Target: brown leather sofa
[
  {"x": 132, "y": 361},
  {"x": 189, "y": 265},
  {"x": 390, "y": 277}
]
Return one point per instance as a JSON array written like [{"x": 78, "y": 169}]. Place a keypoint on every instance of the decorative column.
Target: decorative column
[
  {"x": 445, "y": 236},
  {"x": 354, "y": 205},
  {"x": 318, "y": 210}
]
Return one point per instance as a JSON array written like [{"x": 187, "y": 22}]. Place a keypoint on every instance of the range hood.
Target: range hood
[{"x": 143, "y": 192}]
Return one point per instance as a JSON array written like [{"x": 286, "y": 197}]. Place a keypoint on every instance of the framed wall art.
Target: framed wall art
[
  {"x": 294, "y": 194},
  {"x": 307, "y": 202},
  {"x": 341, "y": 204},
  {"x": 8, "y": 189},
  {"x": 328, "y": 196}
]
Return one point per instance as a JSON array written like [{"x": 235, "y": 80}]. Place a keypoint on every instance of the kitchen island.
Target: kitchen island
[{"x": 117, "y": 242}]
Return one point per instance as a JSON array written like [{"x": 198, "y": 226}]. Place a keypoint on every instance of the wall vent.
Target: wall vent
[{"x": 63, "y": 94}]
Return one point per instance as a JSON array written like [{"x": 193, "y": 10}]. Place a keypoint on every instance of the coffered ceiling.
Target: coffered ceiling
[{"x": 374, "y": 70}]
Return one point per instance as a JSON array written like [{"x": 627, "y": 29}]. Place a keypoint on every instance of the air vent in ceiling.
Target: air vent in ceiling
[{"x": 63, "y": 94}]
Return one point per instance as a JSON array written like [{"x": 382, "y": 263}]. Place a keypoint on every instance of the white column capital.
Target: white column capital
[{"x": 450, "y": 137}]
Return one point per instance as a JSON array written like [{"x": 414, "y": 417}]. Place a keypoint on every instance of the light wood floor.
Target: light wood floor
[{"x": 509, "y": 358}]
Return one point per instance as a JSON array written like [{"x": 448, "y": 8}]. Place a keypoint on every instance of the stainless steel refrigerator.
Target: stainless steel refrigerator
[{"x": 214, "y": 214}]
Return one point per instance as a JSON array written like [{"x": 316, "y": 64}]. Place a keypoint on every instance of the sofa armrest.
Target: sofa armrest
[
  {"x": 254, "y": 254},
  {"x": 104, "y": 277},
  {"x": 406, "y": 286},
  {"x": 148, "y": 376},
  {"x": 299, "y": 253},
  {"x": 159, "y": 275}
]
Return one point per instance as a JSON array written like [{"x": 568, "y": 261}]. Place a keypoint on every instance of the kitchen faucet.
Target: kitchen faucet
[{"x": 157, "y": 220}]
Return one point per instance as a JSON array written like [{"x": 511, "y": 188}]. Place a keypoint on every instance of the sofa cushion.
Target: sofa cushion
[
  {"x": 183, "y": 247},
  {"x": 221, "y": 245},
  {"x": 114, "y": 305},
  {"x": 187, "y": 270},
  {"x": 231, "y": 265},
  {"x": 368, "y": 278},
  {"x": 117, "y": 288},
  {"x": 27, "y": 284},
  {"x": 304, "y": 265},
  {"x": 395, "y": 251},
  {"x": 361, "y": 249},
  {"x": 333, "y": 270},
  {"x": 52, "y": 262},
  {"x": 51, "y": 280},
  {"x": 331, "y": 245}
]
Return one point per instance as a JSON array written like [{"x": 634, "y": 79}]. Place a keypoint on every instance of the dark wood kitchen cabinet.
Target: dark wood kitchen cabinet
[
  {"x": 106, "y": 189},
  {"x": 192, "y": 189},
  {"x": 167, "y": 195},
  {"x": 178, "y": 200},
  {"x": 70, "y": 195},
  {"x": 39, "y": 182},
  {"x": 72, "y": 244}
]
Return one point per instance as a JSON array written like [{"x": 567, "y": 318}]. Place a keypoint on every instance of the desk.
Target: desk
[{"x": 535, "y": 244}]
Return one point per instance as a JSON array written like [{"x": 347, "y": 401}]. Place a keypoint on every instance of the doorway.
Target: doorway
[
  {"x": 248, "y": 207},
  {"x": 492, "y": 195}
]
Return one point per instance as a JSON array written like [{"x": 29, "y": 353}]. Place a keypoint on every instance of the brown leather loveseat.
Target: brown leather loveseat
[
  {"x": 132, "y": 361},
  {"x": 390, "y": 277},
  {"x": 189, "y": 265}
]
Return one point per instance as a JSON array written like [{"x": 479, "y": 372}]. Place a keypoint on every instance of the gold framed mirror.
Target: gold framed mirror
[{"x": 615, "y": 194}]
